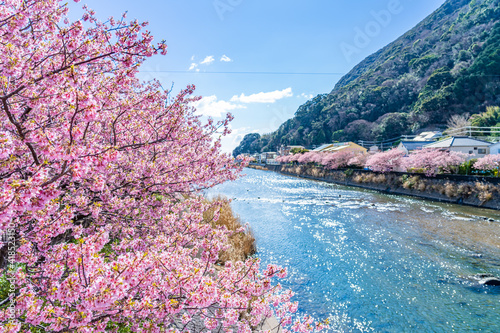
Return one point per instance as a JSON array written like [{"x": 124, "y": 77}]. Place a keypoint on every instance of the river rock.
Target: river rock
[{"x": 490, "y": 281}]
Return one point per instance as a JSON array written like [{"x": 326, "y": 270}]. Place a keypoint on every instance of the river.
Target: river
[{"x": 374, "y": 262}]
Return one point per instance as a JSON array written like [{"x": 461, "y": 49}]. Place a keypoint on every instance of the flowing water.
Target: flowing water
[{"x": 374, "y": 262}]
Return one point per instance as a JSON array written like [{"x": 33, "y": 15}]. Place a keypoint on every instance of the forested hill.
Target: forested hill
[{"x": 448, "y": 64}]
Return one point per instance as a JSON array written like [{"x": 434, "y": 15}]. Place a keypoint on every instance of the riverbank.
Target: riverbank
[{"x": 464, "y": 190}]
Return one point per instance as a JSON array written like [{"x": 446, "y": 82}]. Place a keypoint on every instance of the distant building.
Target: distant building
[
  {"x": 341, "y": 146},
  {"x": 374, "y": 149},
  {"x": 257, "y": 158},
  {"x": 473, "y": 147},
  {"x": 267, "y": 157},
  {"x": 495, "y": 148},
  {"x": 409, "y": 146},
  {"x": 286, "y": 150},
  {"x": 271, "y": 155},
  {"x": 428, "y": 136}
]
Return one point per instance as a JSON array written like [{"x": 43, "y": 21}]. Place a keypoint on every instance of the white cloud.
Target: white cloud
[
  {"x": 263, "y": 97},
  {"x": 210, "y": 106},
  {"x": 225, "y": 58},
  {"x": 208, "y": 60}
]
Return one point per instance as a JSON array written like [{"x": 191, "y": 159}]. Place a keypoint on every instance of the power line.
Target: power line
[
  {"x": 252, "y": 73},
  {"x": 273, "y": 73}
]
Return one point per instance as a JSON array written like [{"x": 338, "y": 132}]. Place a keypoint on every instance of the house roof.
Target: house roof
[
  {"x": 413, "y": 145},
  {"x": 339, "y": 146},
  {"x": 458, "y": 141},
  {"x": 323, "y": 147},
  {"x": 336, "y": 148},
  {"x": 427, "y": 136}
]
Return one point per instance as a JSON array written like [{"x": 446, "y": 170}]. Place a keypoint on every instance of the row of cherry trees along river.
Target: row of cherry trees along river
[
  {"x": 100, "y": 180},
  {"x": 430, "y": 161}
]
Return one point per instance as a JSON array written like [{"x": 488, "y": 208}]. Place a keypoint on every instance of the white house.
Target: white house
[
  {"x": 495, "y": 148},
  {"x": 473, "y": 147}
]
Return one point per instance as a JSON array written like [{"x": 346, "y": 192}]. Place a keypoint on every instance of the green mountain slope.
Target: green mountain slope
[{"x": 448, "y": 64}]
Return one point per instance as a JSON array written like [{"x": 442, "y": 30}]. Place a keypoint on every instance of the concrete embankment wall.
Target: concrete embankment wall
[{"x": 465, "y": 190}]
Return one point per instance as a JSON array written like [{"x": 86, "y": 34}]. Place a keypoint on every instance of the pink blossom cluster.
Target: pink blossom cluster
[
  {"x": 387, "y": 161},
  {"x": 489, "y": 162},
  {"x": 433, "y": 161},
  {"x": 101, "y": 174},
  {"x": 335, "y": 160}
]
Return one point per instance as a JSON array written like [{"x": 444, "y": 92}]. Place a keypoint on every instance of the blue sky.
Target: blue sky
[{"x": 230, "y": 49}]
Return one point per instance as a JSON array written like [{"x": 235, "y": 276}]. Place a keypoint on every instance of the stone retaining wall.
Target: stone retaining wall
[{"x": 465, "y": 190}]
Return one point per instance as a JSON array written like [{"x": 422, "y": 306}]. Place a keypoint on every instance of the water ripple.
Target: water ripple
[{"x": 374, "y": 262}]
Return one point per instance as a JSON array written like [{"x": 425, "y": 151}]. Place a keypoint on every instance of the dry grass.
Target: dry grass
[
  {"x": 481, "y": 187},
  {"x": 258, "y": 167},
  {"x": 421, "y": 186},
  {"x": 316, "y": 172},
  {"x": 450, "y": 190},
  {"x": 241, "y": 244},
  {"x": 370, "y": 178},
  {"x": 484, "y": 191},
  {"x": 358, "y": 178},
  {"x": 465, "y": 190},
  {"x": 439, "y": 188},
  {"x": 485, "y": 196},
  {"x": 380, "y": 179},
  {"x": 411, "y": 182}
]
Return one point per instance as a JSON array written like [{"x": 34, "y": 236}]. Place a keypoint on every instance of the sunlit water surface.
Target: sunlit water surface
[{"x": 374, "y": 262}]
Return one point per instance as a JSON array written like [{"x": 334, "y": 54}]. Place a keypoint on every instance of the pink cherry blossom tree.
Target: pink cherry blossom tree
[
  {"x": 295, "y": 157},
  {"x": 489, "y": 162},
  {"x": 308, "y": 157},
  {"x": 433, "y": 161},
  {"x": 336, "y": 160},
  {"x": 387, "y": 161},
  {"x": 359, "y": 160},
  {"x": 100, "y": 175}
]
